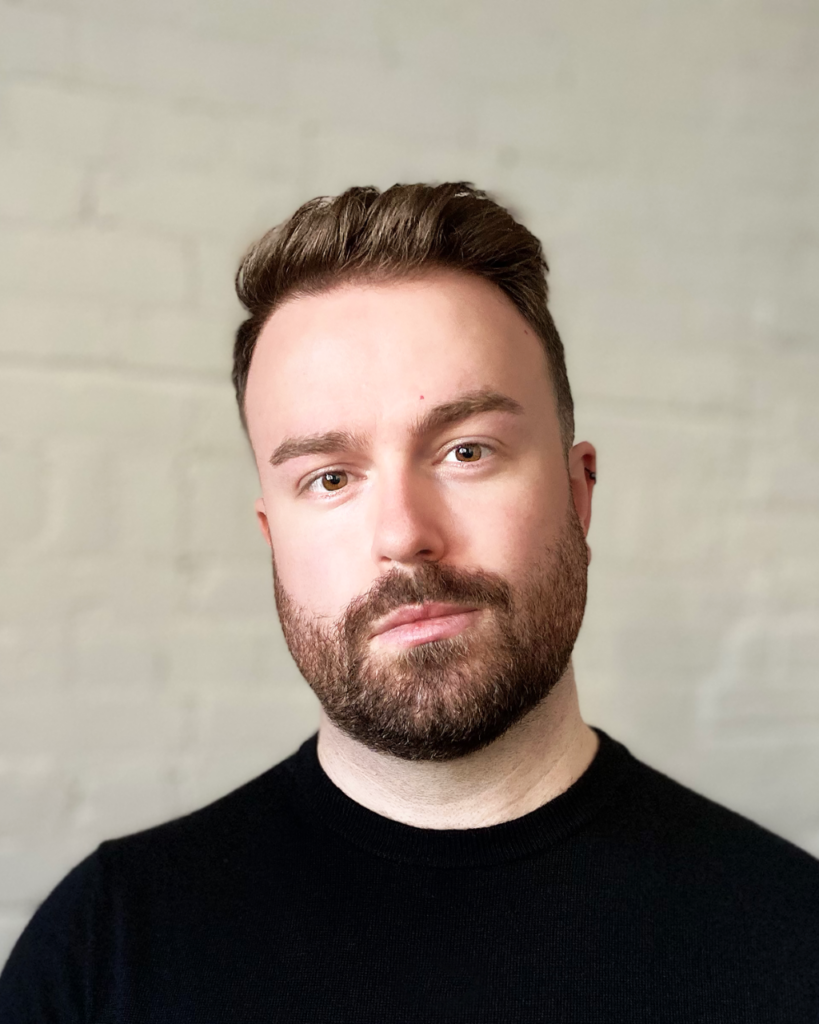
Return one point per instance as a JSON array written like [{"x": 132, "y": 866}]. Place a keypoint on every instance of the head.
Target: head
[{"x": 404, "y": 390}]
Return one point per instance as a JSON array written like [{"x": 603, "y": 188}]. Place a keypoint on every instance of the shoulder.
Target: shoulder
[
  {"x": 718, "y": 849},
  {"x": 254, "y": 815},
  {"x": 46, "y": 974},
  {"x": 678, "y": 808},
  {"x": 109, "y": 907}
]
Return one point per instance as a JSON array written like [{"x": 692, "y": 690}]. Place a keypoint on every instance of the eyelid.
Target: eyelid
[
  {"x": 464, "y": 442},
  {"x": 317, "y": 476},
  {"x": 469, "y": 443}
]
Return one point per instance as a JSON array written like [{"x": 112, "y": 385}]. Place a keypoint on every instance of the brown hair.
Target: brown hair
[{"x": 366, "y": 234}]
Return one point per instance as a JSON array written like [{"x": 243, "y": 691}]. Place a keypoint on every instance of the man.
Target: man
[{"x": 456, "y": 844}]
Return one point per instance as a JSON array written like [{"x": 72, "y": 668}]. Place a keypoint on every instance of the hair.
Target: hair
[{"x": 368, "y": 235}]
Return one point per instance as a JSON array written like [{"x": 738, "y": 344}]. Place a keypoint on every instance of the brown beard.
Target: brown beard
[{"x": 446, "y": 698}]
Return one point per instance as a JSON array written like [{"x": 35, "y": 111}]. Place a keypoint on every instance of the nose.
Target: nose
[{"x": 409, "y": 519}]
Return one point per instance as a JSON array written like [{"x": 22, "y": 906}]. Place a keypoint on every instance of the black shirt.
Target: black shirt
[{"x": 627, "y": 898}]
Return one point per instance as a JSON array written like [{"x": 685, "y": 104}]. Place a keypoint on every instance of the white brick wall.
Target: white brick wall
[{"x": 667, "y": 155}]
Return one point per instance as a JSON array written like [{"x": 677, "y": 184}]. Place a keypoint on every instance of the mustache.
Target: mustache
[{"x": 430, "y": 582}]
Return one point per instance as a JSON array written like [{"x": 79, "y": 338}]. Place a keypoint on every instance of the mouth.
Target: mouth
[{"x": 418, "y": 624}]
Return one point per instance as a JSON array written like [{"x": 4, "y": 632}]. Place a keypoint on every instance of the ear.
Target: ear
[
  {"x": 261, "y": 517},
  {"x": 582, "y": 476}
]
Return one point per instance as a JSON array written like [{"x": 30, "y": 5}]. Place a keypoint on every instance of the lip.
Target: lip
[
  {"x": 417, "y": 613},
  {"x": 419, "y": 624}
]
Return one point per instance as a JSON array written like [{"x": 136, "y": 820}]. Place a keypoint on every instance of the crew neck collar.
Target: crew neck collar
[{"x": 317, "y": 796}]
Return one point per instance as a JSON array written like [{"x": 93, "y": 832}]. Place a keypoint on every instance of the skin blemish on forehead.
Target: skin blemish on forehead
[{"x": 420, "y": 396}]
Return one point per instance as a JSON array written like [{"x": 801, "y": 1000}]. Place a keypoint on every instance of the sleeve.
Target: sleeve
[{"x": 48, "y": 978}]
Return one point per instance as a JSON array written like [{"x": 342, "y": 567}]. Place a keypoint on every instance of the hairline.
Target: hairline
[{"x": 350, "y": 277}]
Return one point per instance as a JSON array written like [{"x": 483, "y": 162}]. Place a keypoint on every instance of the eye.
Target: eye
[
  {"x": 472, "y": 452},
  {"x": 332, "y": 480}
]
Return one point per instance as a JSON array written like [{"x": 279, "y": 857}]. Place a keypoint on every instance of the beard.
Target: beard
[{"x": 446, "y": 698}]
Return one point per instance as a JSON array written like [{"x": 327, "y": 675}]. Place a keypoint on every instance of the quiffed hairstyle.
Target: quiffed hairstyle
[{"x": 369, "y": 235}]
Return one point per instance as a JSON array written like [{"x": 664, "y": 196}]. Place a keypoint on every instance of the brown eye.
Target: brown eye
[
  {"x": 334, "y": 481},
  {"x": 468, "y": 452}
]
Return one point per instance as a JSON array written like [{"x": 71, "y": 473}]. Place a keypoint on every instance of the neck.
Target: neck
[{"x": 532, "y": 763}]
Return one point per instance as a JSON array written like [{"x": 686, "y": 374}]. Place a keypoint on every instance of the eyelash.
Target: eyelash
[{"x": 461, "y": 444}]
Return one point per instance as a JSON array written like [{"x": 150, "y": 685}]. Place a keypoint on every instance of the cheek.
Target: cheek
[
  {"x": 313, "y": 566},
  {"x": 511, "y": 537},
  {"x": 510, "y": 525}
]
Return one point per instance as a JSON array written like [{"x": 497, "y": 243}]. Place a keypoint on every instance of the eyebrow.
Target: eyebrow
[{"x": 447, "y": 413}]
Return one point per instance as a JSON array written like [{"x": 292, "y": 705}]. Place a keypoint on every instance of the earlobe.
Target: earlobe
[{"x": 261, "y": 518}]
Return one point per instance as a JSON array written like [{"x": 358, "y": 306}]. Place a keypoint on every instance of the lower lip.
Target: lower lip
[{"x": 423, "y": 630}]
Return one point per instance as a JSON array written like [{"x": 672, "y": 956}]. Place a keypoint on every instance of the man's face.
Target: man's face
[{"x": 409, "y": 454}]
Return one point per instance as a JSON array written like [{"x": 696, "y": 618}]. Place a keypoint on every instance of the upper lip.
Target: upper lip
[{"x": 415, "y": 612}]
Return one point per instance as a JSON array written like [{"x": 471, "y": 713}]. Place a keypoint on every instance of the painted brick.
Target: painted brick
[
  {"x": 766, "y": 780},
  {"x": 246, "y": 20},
  {"x": 146, "y": 501},
  {"x": 62, "y": 329},
  {"x": 22, "y": 494},
  {"x": 204, "y": 137},
  {"x": 12, "y": 922},
  {"x": 202, "y": 656},
  {"x": 270, "y": 145},
  {"x": 340, "y": 156},
  {"x": 110, "y": 654},
  {"x": 528, "y": 49},
  {"x": 637, "y": 371},
  {"x": 105, "y": 497},
  {"x": 53, "y": 588},
  {"x": 34, "y": 803},
  {"x": 215, "y": 266},
  {"x": 764, "y": 679},
  {"x": 423, "y": 106},
  {"x": 35, "y": 41},
  {"x": 93, "y": 726},
  {"x": 32, "y": 653},
  {"x": 31, "y": 190},
  {"x": 192, "y": 204},
  {"x": 138, "y": 132},
  {"x": 779, "y": 550},
  {"x": 143, "y": 146},
  {"x": 215, "y": 427},
  {"x": 82, "y": 499},
  {"x": 218, "y": 498},
  {"x": 311, "y": 27},
  {"x": 215, "y": 770},
  {"x": 258, "y": 722},
  {"x": 27, "y": 880},
  {"x": 90, "y": 332},
  {"x": 133, "y": 795},
  {"x": 153, "y": 133},
  {"x": 56, "y": 118},
  {"x": 659, "y": 480},
  {"x": 197, "y": 342},
  {"x": 92, "y": 404},
  {"x": 172, "y": 63},
  {"x": 89, "y": 262},
  {"x": 244, "y": 585}
]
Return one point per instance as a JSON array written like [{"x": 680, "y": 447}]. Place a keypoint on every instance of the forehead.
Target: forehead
[{"x": 367, "y": 351}]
